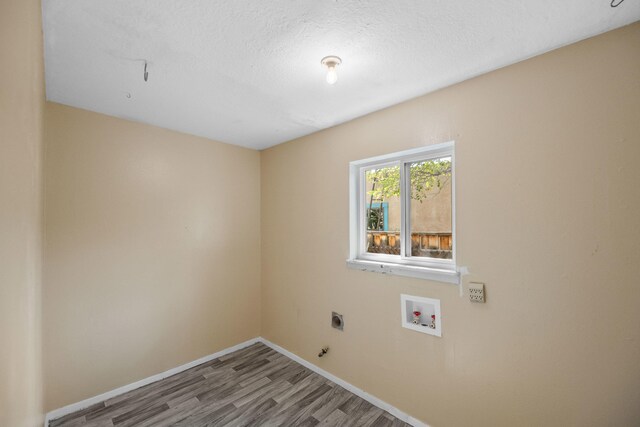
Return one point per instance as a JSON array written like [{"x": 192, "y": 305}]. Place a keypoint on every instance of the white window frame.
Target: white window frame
[{"x": 443, "y": 270}]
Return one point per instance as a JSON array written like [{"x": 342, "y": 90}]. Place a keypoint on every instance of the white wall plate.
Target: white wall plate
[{"x": 427, "y": 307}]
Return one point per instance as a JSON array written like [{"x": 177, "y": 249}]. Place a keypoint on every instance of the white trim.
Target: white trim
[
  {"x": 61, "y": 412},
  {"x": 350, "y": 387},
  {"x": 419, "y": 272},
  {"x": 405, "y": 213},
  {"x": 403, "y": 265},
  {"x": 437, "y": 150},
  {"x": 454, "y": 232}
]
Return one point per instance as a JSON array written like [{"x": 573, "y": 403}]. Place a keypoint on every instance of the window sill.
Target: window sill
[{"x": 419, "y": 272}]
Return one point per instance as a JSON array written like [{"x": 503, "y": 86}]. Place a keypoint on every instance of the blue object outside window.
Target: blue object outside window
[{"x": 385, "y": 214}]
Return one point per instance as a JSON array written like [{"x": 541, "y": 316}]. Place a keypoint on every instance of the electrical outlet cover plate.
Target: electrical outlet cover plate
[{"x": 476, "y": 292}]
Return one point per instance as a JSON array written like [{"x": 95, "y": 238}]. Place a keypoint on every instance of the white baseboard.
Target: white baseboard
[
  {"x": 57, "y": 413},
  {"x": 61, "y": 412},
  {"x": 347, "y": 386}
]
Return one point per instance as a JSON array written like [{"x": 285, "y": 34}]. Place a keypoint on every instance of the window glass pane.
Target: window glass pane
[
  {"x": 431, "y": 231},
  {"x": 382, "y": 210}
]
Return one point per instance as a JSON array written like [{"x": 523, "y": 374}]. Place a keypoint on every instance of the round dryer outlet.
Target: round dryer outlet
[{"x": 336, "y": 321}]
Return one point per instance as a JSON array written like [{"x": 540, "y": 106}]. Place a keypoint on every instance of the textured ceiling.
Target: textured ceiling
[{"x": 247, "y": 72}]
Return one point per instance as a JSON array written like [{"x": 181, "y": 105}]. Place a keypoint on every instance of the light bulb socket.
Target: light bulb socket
[{"x": 331, "y": 61}]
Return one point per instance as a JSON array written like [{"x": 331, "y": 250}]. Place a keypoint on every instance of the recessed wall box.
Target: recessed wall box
[{"x": 421, "y": 314}]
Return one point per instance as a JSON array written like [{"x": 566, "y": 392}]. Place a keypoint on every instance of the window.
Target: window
[{"x": 402, "y": 209}]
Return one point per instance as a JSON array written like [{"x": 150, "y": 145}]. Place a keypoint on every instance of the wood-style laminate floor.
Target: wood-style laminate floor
[{"x": 255, "y": 386}]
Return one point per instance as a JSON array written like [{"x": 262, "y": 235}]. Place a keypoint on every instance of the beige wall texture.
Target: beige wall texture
[
  {"x": 152, "y": 253},
  {"x": 21, "y": 104},
  {"x": 548, "y": 198},
  {"x": 432, "y": 214}
]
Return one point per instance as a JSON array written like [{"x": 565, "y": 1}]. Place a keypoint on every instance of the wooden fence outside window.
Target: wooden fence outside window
[{"x": 427, "y": 244}]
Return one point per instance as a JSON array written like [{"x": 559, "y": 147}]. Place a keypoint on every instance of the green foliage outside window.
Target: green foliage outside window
[{"x": 427, "y": 178}]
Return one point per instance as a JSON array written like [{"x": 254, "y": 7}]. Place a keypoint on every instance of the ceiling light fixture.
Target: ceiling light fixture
[{"x": 330, "y": 63}]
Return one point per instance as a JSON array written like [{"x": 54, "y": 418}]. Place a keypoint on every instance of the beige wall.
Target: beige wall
[
  {"x": 547, "y": 157},
  {"x": 152, "y": 253},
  {"x": 433, "y": 214},
  {"x": 21, "y": 103}
]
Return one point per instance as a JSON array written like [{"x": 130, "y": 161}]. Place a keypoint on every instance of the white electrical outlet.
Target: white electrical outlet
[{"x": 476, "y": 292}]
